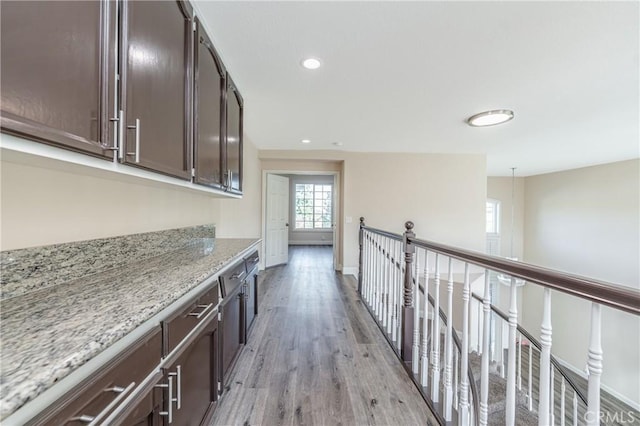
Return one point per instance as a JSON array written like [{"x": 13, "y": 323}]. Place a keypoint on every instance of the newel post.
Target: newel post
[
  {"x": 407, "y": 306},
  {"x": 360, "y": 238}
]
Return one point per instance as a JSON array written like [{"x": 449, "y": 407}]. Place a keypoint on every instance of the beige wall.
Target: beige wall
[
  {"x": 586, "y": 222},
  {"x": 444, "y": 195},
  {"x": 241, "y": 218},
  {"x": 48, "y": 201}
]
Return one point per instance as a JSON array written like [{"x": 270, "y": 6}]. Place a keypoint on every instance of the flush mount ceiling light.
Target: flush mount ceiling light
[
  {"x": 311, "y": 63},
  {"x": 305, "y": 141},
  {"x": 490, "y": 118}
]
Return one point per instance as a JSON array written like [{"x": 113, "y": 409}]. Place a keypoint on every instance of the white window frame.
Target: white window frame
[
  {"x": 496, "y": 216},
  {"x": 313, "y": 222}
]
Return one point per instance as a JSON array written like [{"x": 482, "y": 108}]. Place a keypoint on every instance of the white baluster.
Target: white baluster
[
  {"x": 448, "y": 347},
  {"x": 399, "y": 295},
  {"x": 480, "y": 327},
  {"x": 388, "y": 285},
  {"x": 552, "y": 409},
  {"x": 415, "y": 347},
  {"x": 456, "y": 395},
  {"x": 463, "y": 412},
  {"x": 562, "y": 408},
  {"x": 369, "y": 270},
  {"x": 435, "y": 337},
  {"x": 484, "y": 366},
  {"x": 424, "y": 359},
  {"x": 511, "y": 362},
  {"x": 381, "y": 285},
  {"x": 519, "y": 361},
  {"x": 545, "y": 361},
  {"x": 529, "y": 381},
  {"x": 376, "y": 275},
  {"x": 594, "y": 363},
  {"x": 575, "y": 408}
]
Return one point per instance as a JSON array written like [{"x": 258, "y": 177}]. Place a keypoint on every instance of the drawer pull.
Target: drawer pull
[
  {"x": 178, "y": 376},
  {"x": 238, "y": 275},
  {"x": 169, "y": 412},
  {"x": 199, "y": 315},
  {"x": 93, "y": 420}
]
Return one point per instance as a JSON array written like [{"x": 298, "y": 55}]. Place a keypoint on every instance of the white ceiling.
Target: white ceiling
[{"x": 403, "y": 77}]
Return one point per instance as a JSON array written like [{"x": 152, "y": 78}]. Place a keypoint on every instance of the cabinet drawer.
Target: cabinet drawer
[
  {"x": 177, "y": 328},
  {"x": 100, "y": 394},
  {"x": 232, "y": 279}
]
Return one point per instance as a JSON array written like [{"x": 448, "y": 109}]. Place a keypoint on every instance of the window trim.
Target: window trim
[{"x": 314, "y": 229}]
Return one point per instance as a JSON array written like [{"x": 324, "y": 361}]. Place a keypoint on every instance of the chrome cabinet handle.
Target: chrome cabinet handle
[
  {"x": 169, "y": 412},
  {"x": 178, "y": 376},
  {"x": 136, "y": 154},
  {"x": 199, "y": 315},
  {"x": 93, "y": 420},
  {"x": 121, "y": 134},
  {"x": 238, "y": 276}
]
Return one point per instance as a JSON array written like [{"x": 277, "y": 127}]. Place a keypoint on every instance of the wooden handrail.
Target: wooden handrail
[
  {"x": 615, "y": 296},
  {"x": 397, "y": 237}
]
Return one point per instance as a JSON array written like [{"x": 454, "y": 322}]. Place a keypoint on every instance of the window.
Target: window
[
  {"x": 313, "y": 206},
  {"x": 493, "y": 217}
]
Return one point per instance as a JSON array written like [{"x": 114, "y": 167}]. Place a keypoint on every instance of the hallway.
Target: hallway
[{"x": 315, "y": 356}]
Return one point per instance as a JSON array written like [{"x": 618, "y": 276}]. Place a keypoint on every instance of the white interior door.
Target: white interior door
[{"x": 277, "y": 218}]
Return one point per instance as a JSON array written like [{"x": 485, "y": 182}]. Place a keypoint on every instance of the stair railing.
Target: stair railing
[
  {"x": 391, "y": 270},
  {"x": 579, "y": 400}
]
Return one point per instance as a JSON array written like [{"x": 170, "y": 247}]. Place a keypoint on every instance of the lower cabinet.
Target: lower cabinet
[
  {"x": 191, "y": 381},
  {"x": 250, "y": 305},
  {"x": 231, "y": 336}
]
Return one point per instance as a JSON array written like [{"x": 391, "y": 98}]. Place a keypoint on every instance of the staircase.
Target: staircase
[{"x": 407, "y": 284}]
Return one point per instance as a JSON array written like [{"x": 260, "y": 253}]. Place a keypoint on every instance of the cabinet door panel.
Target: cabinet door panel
[
  {"x": 234, "y": 137},
  {"x": 157, "y": 86},
  {"x": 199, "y": 380},
  {"x": 57, "y": 66},
  {"x": 231, "y": 331},
  {"x": 209, "y": 88}
]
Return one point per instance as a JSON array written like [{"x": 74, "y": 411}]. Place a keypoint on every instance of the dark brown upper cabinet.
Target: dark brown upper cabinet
[
  {"x": 210, "y": 86},
  {"x": 155, "y": 94},
  {"x": 58, "y": 73},
  {"x": 234, "y": 116}
]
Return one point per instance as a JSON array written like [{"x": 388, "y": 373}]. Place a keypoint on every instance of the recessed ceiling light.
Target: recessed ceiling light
[
  {"x": 311, "y": 63},
  {"x": 305, "y": 141},
  {"x": 490, "y": 118}
]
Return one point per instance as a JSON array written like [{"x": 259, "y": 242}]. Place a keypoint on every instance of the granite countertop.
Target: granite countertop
[{"x": 48, "y": 333}]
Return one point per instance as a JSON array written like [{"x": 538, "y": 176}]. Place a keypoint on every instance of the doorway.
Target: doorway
[{"x": 311, "y": 219}]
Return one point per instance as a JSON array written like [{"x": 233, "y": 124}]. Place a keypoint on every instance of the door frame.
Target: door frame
[{"x": 336, "y": 206}]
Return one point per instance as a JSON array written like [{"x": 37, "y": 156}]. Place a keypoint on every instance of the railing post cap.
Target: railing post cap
[
  {"x": 361, "y": 219},
  {"x": 408, "y": 225}
]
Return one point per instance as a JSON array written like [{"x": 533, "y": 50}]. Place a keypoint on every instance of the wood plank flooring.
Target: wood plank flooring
[{"x": 316, "y": 357}]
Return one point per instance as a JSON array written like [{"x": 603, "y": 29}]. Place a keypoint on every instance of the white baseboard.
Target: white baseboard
[
  {"x": 310, "y": 243},
  {"x": 350, "y": 270}
]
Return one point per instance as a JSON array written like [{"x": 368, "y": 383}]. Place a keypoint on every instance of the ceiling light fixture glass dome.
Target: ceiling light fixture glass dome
[
  {"x": 490, "y": 118},
  {"x": 311, "y": 63}
]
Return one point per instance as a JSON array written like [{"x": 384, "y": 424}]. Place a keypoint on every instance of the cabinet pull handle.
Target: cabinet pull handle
[
  {"x": 178, "y": 376},
  {"x": 136, "y": 154},
  {"x": 121, "y": 134},
  {"x": 169, "y": 412},
  {"x": 93, "y": 420},
  {"x": 199, "y": 315},
  {"x": 238, "y": 275}
]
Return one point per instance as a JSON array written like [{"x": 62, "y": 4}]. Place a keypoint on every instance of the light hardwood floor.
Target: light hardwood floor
[{"x": 315, "y": 356}]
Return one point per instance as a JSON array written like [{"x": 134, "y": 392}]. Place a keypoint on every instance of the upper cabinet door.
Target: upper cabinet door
[
  {"x": 156, "y": 91},
  {"x": 234, "y": 116},
  {"x": 208, "y": 114},
  {"x": 58, "y": 72}
]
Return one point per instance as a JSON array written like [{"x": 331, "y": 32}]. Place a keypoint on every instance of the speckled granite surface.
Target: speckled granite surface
[
  {"x": 25, "y": 270},
  {"x": 47, "y": 334}
]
